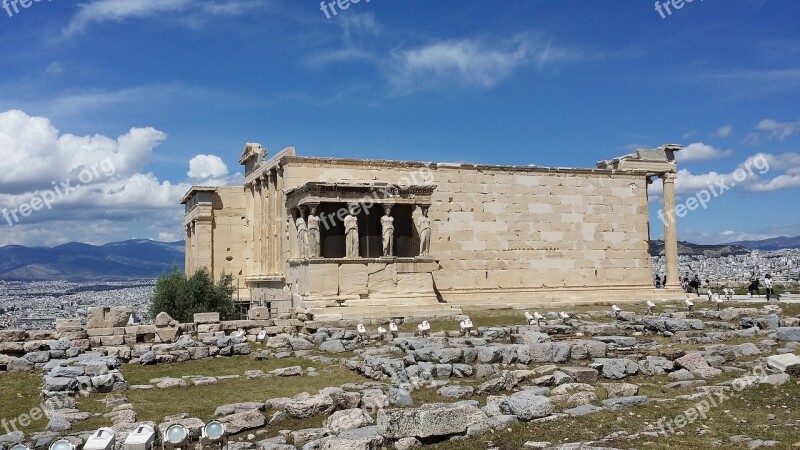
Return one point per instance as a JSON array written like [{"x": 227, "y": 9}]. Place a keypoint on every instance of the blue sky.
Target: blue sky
[{"x": 167, "y": 92}]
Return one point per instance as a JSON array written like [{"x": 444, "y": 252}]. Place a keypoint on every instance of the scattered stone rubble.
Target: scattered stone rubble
[{"x": 530, "y": 373}]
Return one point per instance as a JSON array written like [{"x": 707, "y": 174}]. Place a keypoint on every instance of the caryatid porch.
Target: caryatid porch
[{"x": 362, "y": 245}]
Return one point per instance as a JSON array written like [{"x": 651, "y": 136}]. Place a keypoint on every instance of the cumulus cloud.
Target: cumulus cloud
[
  {"x": 34, "y": 154},
  {"x": 700, "y": 152},
  {"x": 724, "y": 131},
  {"x": 762, "y": 172},
  {"x": 203, "y": 167},
  {"x": 471, "y": 62},
  {"x": 96, "y": 188}
]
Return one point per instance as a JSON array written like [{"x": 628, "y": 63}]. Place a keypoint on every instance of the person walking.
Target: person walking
[{"x": 768, "y": 285}]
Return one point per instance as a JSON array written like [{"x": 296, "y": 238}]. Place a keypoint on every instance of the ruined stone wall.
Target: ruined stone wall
[
  {"x": 524, "y": 229},
  {"x": 229, "y": 234}
]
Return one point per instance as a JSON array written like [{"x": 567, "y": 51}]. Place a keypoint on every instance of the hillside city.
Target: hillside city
[{"x": 37, "y": 304}]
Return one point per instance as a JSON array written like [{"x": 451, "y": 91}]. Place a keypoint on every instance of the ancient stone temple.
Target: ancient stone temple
[{"x": 354, "y": 238}]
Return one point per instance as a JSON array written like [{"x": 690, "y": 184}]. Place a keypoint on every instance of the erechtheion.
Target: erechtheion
[{"x": 357, "y": 238}]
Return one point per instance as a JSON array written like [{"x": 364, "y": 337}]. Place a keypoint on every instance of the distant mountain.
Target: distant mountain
[
  {"x": 709, "y": 251},
  {"x": 771, "y": 244},
  {"x": 117, "y": 261}
]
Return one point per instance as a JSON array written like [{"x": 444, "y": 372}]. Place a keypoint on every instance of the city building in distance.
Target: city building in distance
[{"x": 352, "y": 238}]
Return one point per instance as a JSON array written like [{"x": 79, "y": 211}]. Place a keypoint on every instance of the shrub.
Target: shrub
[{"x": 181, "y": 296}]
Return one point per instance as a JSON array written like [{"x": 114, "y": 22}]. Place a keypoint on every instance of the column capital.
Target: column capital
[{"x": 669, "y": 177}]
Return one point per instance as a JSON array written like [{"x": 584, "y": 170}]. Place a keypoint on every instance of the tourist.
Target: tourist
[
  {"x": 754, "y": 284},
  {"x": 657, "y": 281},
  {"x": 694, "y": 285},
  {"x": 768, "y": 285}
]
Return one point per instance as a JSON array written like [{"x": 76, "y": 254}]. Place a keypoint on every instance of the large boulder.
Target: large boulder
[
  {"x": 434, "y": 419},
  {"x": 791, "y": 334},
  {"x": 108, "y": 317},
  {"x": 235, "y": 408},
  {"x": 248, "y": 420},
  {"x": 347, "y": 420},
  {"x": 305, "y": 406},
  {"x": 529, "y": 405},
  {"x": 783, "y": 362}
]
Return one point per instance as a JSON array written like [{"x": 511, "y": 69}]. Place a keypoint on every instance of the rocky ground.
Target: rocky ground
[{"x": 591, "y": 379}]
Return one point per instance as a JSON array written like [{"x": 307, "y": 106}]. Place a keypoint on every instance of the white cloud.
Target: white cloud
[
  {"x": 778, "y": 130},
  {"x": 471, "y": 62},
  {"x": 203, "y": 167},
  {"x": 762, "y": 172},
  {"x": 53, "y": 68},
  {"x": 724, "y": 131},
  {"x": 167, "y": 237},
  {"x": 117, "y": 201},
  {"x": 33, "y": 154},
  {"x": 100, "y": 11},
  {"x": 699, "y": 151}
]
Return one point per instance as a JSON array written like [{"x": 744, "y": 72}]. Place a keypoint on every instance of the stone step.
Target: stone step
[{"x": 382, "y": 312}]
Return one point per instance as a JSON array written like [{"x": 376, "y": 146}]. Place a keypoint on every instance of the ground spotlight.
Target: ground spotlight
[
  {"x": 62, "y": 444},
  {"x": 214, "y": 435},
  {"x": 176, "y": 436}
]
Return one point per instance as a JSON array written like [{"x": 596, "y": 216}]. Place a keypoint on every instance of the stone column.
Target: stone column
[
  {"x": 265, "y": 218},
  {"x": 258, "y": 224},
  {"x": 670, "y": 230},
  {"x": 188, "y": 268},
  {"x": 249, "y": 245}
]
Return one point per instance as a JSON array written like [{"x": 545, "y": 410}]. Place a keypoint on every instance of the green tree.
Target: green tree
[{"x": 181, "y": 296}]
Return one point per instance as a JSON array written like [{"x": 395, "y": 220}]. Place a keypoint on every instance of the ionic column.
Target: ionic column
[
  {"x": 670, "y": 230},
  {"x": 264, "y": 221},
  {"x": 258, "y": 225},
  {"x": 188, "y": 268},
  {"x": 249, "y": 245}
]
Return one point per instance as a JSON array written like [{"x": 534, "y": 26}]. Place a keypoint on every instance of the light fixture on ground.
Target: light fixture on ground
[
  {"x": 176, "y": 436},
  {"x": 717, "y": 301},
  {"x": 214, "y": 435},
  {"x": 689, "y": 304},
  {"x": 19, "y": 447},
  {"x": 382, "y": 333},
  {"x": 564, "y": 316},
  {"x": 424, "y": 328},
  {"x": 143, "y": 437},
  {"x": 529, "y": 318},
  {"x": 393, "y": 329},
  {"x": 615, "y": 310},
  {"x": 362, "y": 332},
  {"x": 102, "y": 439},
  {"x": 62, "y": 444},
  {"x": 650, "y": 306},
  {"x": 262, "y": 335},
  {"x": 466, "y": 326}
]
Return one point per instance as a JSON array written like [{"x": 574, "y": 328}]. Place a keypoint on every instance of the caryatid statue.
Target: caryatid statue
[
  {"x": 387, "y": 227},
  {"x": 424, "y": 228},
  {"x": 351, "y": 232},
  {"x": 313, "y": 233},
  {"x": 302, "y": 237}
]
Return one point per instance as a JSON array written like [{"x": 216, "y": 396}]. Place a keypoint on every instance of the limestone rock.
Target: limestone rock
[
  {"x": 347, "y": 420},
  {"x": 434, "y": 419},
  {"x": 248, "y": 420}
]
